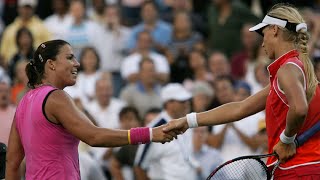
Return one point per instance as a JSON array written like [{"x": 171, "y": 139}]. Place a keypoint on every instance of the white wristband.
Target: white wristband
[
  {"x": 150, "y": 131},
  {"x": 192, "y": 120},
  {"x": 285, "y": 139}
]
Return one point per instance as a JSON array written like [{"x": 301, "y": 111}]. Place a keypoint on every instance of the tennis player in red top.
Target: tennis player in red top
[{"x": 291, "y": 100}]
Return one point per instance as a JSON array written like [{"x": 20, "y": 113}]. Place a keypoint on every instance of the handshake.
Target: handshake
[{"x": 169, "y": 131}]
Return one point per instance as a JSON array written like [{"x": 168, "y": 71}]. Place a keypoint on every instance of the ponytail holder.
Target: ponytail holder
[
  {"x": 40, "y": 57},
  {"x": 43, "y": 46},
  {"x": 31, "y": 62},
  {"x": 302, "y": 26}
]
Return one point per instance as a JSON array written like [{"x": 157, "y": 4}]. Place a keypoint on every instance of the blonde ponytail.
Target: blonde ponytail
[
  {"x": 302, "y": 45},
  {"x": 300, "y": 39}
]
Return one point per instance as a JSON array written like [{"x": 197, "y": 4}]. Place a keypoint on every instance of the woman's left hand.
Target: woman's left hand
[{"x": 284, "y": 151}]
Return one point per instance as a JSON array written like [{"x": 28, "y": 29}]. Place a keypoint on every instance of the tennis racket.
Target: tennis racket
[{"x": 252, "y": 167}]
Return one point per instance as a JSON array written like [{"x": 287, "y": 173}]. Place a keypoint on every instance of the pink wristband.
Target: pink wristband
[{"x": 139, "y": 135}]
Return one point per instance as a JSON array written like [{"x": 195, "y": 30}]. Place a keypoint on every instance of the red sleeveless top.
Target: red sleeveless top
[{"x": 276, "y": 112}]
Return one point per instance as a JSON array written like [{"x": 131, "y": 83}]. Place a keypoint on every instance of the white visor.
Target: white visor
[{"x": 268, "y": 20}]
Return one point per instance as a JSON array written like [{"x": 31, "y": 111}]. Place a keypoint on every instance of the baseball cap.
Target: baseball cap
[
  {"x": 201, "y": 87},
  {"x": 175, "y": 91},
  {"x": 32, "y": 3},
  {"x": 270, "y": 20}
]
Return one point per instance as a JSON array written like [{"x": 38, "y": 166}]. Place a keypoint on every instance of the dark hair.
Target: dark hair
[
  {"x": 84, "y": 51},
  {"x": 225, "y": 77},
  {"x": 147, "y": 2},
  {"x": 129, "y": 109},
  {"x": 145, "y": 59},
  {"x": 45, "y": 51},
  {"x": 153, "y": 110},
  {"x": 22, "y": 31}
]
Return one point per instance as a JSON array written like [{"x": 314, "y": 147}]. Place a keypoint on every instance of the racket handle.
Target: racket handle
[{"x": 306, "y": 135}]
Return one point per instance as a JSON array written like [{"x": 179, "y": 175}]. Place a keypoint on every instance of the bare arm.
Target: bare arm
[
  {"x": 115, "y": 169},
  {"x": 140, "y": 173},
  {"x": 80, "y": 126},
  {"x": 291, "y": 82},
  {"x": 226, "y": 113},
  {"x": 162, "y": 77},
  {"x": 215, "y": 140},
  {"x": 234, "y": 111},
  {"x": 15, "y": 154},
  {"x": 249, "y": 141}
]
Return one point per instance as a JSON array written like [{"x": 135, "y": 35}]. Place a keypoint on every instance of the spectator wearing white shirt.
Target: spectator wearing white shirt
[
  {"x": 170, "y": 161},
  {"x": 58, "y": 22},
  {"x": 208, "y": 157},
  {"x": 130, "y": 65},
  {"x": 105, "y": 110},
  {"x": 112, "y": 45},
  {"x": 145, "y": 93},
  {"x": 235, "y": 141},
  {"x": 81, "y": 32},
  {"x": 88, "y": 74},
  {"x": 95, "y": 12}
]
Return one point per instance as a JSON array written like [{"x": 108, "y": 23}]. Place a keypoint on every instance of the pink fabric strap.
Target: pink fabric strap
[{"x": 139, "y": 135}]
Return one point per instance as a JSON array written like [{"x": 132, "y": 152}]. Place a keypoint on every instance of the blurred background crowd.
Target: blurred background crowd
[{"x": 129, "y": 51}]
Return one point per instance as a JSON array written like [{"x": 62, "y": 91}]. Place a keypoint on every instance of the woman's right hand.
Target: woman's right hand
[
  {"x": 178, "y": 126},
  {"x": 159, "y": 136}
]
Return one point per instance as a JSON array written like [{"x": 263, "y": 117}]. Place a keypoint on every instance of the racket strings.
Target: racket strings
[{"x": 244, "y": 169}]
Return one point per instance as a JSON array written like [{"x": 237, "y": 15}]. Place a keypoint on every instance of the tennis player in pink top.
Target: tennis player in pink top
[{"x": 47, "y": 125}]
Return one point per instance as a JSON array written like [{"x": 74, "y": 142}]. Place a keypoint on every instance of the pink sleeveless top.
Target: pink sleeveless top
[{"x": 51, "y": 152}]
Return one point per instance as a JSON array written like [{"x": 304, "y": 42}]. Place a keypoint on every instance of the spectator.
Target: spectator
[
  {"x": 224, "y": 93},
  {"x": 258, "y": 141},
  {"x": 183, "y": 37},
  {"x": 121, "y": 162},
  {"x": 130, "y": 11},
  {"x": 112, "y": 46},
  {"x": 89, "y": 168},
  {"x": 165, "y": 161},
  {"x": 3, "y": 76},
  {"x": 218, "y": 65},
  {"x": 104, "y": 105},
  {"x": 225, "y": 20},
  {"x": 26, "y": 18},
  {"x": 58, "y": 22},
  {"x": 150, "y": 115},
  {"x": 24, "y": 42},
  {"x": 241, "y": 62},
  {"x": 208, "y": 157},
  {"x": 19, "y": 87},
  {"x": 81, "y": 32},
  {"x": 160, "y": 30},
  {"x": 130, "y": 65},
  {"x": 261, "y": 76},
  {"x": 202, "y": 95},
  {"x": 198, "y": 66},
  {"x": 96, "y": 12},
  {"x": 7, "y": 111},
  {"x": 242, "y": 91},
  {"x": 145, "y": 93},
  {"x": 238, "y": 139},
  {"x": 257, "y": 74},
  {"x": 197, "y": 22},
  {"x": 183, "y": 40},
  {"x": 88, "y": 74}
]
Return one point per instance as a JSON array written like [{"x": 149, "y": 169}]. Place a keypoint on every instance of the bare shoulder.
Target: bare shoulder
[
  {"x": 59, "y": 97},
  {"x": 290, "y": 70},
  {"x": 58, "y": 103}
]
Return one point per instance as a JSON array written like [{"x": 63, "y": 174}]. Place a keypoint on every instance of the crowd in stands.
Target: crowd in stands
[{"x": 144, "y": 62}]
